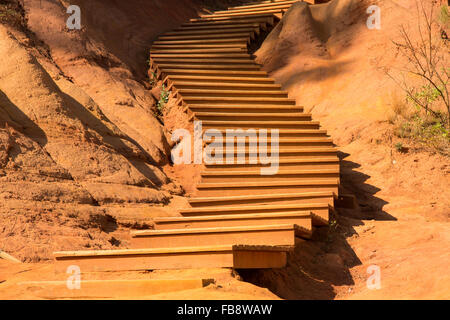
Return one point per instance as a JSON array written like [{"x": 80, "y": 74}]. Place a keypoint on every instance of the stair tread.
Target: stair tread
[
  {"x": 224, "y": 85},
  {"x": 208, "y": 37},
  {"x": 229, "y": 78},
  {"x": 243, "y": 114},
  {"x": 265, "y": 207},
  {"x": 196, "y": 50},
  {"x": 258, "y": 173},
  {"x": 143, "y": 233},
  {"x": 199, "y": 41},
  {"x": 206, "y": 90},
  {"x": 251, "y": 99},
  {"x": 232, "y": 26},
  {"x": 283, "y": 140},
  {"x": 266, "y": 16},
  {"x": 299, "y": 214},
  {"x": 263, "y": 4},
  {"x": 259, "y": 13},
  {"x": 275, "y": 5},
  {"x": 226, "y": 55},
  {"x": 212, "y": 31},
  {"x": 283, "y": 150},
  {"x": 248, "y": 106},
  {"x": 229, "y": 63},
  {"x": 286, "y": 161},
  {"x": 317, "y": 181},
  {"x": 125, "y": 252},
  {"x": 257, "y": 197}
]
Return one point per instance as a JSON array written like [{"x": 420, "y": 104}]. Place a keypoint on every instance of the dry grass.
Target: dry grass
[
  {"x": 419, "y": 129},
  {"x": 12, "y": 14}
]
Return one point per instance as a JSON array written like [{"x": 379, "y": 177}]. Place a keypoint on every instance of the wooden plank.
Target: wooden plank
[
  {"x": 273, "y": 235},
  {"x": 4, "y": 255},
  {"x": 111, "y": 289},
  {"x": 301, "y": 220},
  {"x": 179, "y": 258}
]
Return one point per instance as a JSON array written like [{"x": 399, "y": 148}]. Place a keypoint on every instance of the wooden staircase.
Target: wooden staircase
[{"x": 239, "y": 218}]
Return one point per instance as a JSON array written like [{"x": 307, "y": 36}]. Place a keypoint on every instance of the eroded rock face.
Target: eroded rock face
[
  {"x": 78, "y": 134},
  {"x": 59, "y": 152}
]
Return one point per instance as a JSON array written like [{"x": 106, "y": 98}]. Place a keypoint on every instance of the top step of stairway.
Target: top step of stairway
[{"x": 262, "y": 4}]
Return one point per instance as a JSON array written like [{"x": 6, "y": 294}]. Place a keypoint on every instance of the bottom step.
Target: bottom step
[
  {"x": 111, "y": 289},
  {"x": 238, "y": 257},
  {"x": 271, "y": 235}
]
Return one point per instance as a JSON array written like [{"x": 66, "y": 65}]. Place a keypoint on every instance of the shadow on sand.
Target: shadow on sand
[{"x": 316, "y": 267}]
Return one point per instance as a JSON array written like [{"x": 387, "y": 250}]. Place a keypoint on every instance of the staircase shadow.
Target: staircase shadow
[{"x": 316, "y": 267}]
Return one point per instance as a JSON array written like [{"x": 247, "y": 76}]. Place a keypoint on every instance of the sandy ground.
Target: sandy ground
[
  {"x": 402, "y": 224},
  {"x": 332, "y": 68}
]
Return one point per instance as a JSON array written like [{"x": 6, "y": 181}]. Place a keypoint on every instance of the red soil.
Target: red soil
[{"x": 83, "y": 156}]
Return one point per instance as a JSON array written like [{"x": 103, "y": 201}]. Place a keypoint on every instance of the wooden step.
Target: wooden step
[
  {"x": 320, "y": 211},
  {"x": 172, "y": 51},
  {"x": 268, "y": 18},
  {"x": 260, "y": 151},
  {"x": 229, "y": 116},
  {"x": 232, "y": 93},
  {"x": 331, "y": 163},
  {"x": 239, "y": 15},
  {"x": 289, "y": 198},
  {"x": 217, "y": 68},
  {"x": 263, "y": 4},
  {"x": 302, "y": 221},
  {"x": 218, "y": 56},
  {"x": 255, "y": 176},
  {"x": 239, "y": 41},
  {"x": 228, "y": 86},
  {"x": 244, "y": 108},
  {"x": 227, "y": 63},
  {"x": 111, "y": 289},
  {"x": 276, "y": 187},
  {"x": 222, "y": 79},
  {"x": 289, "y": 133},
  {"x": 233, "y": 73},
  {"x": 238, "y": 257},
  {"x": 246, "y": 139},
  {"x": 284, "y": 151},
  {"x": 195, "y": 27},
  {"x": 272, "y": 235},
  {"x": 238, "y": 100},
  {"x": 276, "y": 10},
  {"x": 237, "y": 124},
  {"x": 246, "y": 35},
  {"x": 209, "y": 31},
  {"x": 272, "y": 6},
  {"x": 160, "y": 47}
]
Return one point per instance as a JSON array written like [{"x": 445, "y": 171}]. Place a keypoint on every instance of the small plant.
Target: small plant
[
  {"x": 399, "y": 146},
  {"x": 11, "y": 13},
  {"x": 332, "y": 230},
  {"x": 164, "y": 98},
  {"x": 444, "y": 15},
  {"x": 153, "y": 79}
]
